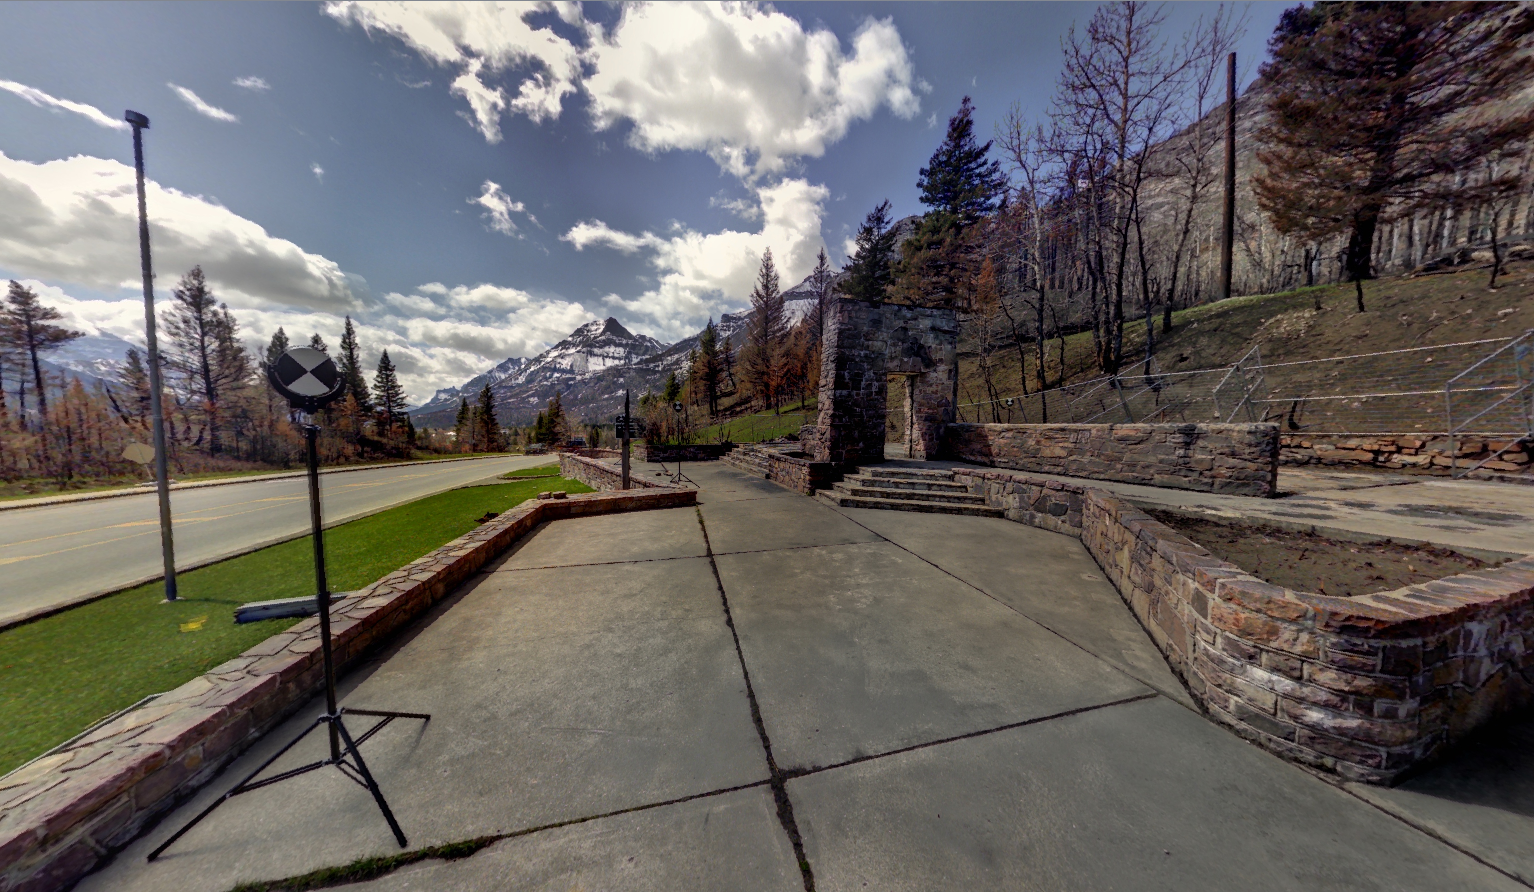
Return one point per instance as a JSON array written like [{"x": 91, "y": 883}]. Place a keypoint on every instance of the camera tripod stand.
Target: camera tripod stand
[
  {"x": 344, "y": 752},
  {"x": 679, "y": 477}
]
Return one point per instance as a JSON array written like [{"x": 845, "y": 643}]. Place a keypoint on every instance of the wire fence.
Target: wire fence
[{"x": 1481, "y": 386}]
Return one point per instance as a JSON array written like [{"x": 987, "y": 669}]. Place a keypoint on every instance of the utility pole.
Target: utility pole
[
  {"x": 140, "y": 123},
  {"x": 1227, "y": 242}
]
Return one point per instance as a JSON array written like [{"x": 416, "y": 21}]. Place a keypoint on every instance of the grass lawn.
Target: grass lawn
[
  {"x": 540, "y": 471},
  {"x": 760, "y": 426},
  {"x": 60, "y": 674}
]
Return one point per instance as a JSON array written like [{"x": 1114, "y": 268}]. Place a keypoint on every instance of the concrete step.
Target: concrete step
[
  {"x": 842, "y": 501},
  {"x": 907, "y": 473},
  {"x": 900, "y": 483},
  {"x": 909, "y": 495}
]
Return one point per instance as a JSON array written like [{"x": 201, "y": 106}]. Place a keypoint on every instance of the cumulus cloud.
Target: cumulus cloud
[
  {"x": 76, "y": 220},
  {"x": 252, "y": 83},
  {"x": 43, "y": 100},
  {"x": 483, "y": 41},
  {"x": 202, "y": 108},
  {"x": 701, "y": 275},
  {"x": 318, "y": 171},
  {"x": 744, "y": 83},
  {"x": 499, "y": 207}
]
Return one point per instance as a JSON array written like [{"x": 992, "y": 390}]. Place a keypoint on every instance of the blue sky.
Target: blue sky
[{"x": 471, "y": 182}]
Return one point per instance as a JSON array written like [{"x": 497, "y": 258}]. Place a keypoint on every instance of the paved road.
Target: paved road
[{"x": 51, "y": 555}]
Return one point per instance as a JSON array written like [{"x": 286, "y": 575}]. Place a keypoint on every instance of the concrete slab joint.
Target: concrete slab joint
[
  {"x": 1368, "y": 687},
  {"x": 62, "y": 815}
]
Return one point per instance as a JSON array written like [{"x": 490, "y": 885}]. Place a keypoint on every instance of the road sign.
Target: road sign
[
  {"x": 307, "y": 377},
  {"x": 139, "y": 453}
]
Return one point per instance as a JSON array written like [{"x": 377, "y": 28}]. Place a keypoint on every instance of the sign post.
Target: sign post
[
  {"x": 310, "y": 380},
  {"x": 623, "y": 426}
]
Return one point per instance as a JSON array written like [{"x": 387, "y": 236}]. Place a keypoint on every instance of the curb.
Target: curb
[{"x": 49, "y": 501}]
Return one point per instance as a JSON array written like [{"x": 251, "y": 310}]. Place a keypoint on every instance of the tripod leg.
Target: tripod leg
[
  {"x": 236, "y": 790},
  {"x": 372, "y": 785}
]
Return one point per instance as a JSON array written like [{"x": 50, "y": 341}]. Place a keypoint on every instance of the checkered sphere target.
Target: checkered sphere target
[{"x": 307, "y": 377}]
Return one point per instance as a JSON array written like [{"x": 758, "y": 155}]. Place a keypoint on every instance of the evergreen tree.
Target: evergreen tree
[
  {"x": 134, "y": 377},
  {"x": 463, "y": 433},
  {"x": 961, "y": 188},
  {"x": 388, "y": 395},
  {"x": 869, "y": 270},
  {"x": 27, "y": 325},
  {"x": 555, "y": 424},
  {"x": 318, "y": 343},
  {"x": 541, "y": 428},
  {"x": 767, "y": 328},
  {"x": 673, "y": 391},
  {"x": 276, "y": 348},
  {"x": 350, "y": 365},
  {"x": 490, "y": 427},
  {"x": 708, "y": 365},
  {"x": 205, "y": 350},
  {"x": 821, "y": 281}
]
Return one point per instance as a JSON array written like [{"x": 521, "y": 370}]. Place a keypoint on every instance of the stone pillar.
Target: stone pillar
[
  {"x": 853, "y": 387},
  {"x": 864, "y": 345}
]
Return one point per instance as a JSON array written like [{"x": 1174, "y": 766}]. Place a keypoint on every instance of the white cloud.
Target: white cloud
[
  {"x": 76, "y": 220},
  {"x": 744, "y": 83},
  {"x": 318, "y": 171},
  {"x": 252, "y": 83},
  {"x": 499, "y": 207},
  {"x": 43, "y": 100},
  {"x": 483, "y": 41},
  {"x": 203, "y": 108},
  {"x": 740, "y": 81},
  {"x": 702, "y": 275},
  {"x": 743, "y": 208}
]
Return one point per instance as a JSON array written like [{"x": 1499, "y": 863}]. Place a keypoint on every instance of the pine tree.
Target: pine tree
[
  {"x": 554, "y": 421},
  {"x": 318, "y": 343},
  {"x": 767, "y": 328},
  {"x": 869, "y": 270},
  {"x": 134, "y": 378},
  {"x": 388, "y": 395},
  {"x": 541, "y": 428},
  {"x": 821, "y": 282},
  {"x": 205, "y": 350},
  {"x": 490, "y": 427},
  {"x": 961, "y": 188},
  {"x": 463, "y": 432},
  {"x": 350, "y": 366},
  {"x": 27, "y": 325},
  {"x": 278, "y": 346},
  {"x": 708, "y": 366}
]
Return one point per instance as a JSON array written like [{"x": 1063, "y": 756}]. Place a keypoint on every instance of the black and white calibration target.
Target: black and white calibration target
[{"x": 307, "y": 377}]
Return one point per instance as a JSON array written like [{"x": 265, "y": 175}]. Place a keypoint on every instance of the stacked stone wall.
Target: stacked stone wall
[
  {"x": 601, "y": 475},
  {"x": 1239, "y": 459},
  {"x": 1367, "y": 687},
  {"x": 799, "y": 473},
  {"x": 61, "y": 815},
  {"x": 1423, "y": 453}
]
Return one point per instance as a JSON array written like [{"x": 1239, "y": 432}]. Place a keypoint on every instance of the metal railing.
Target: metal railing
[{"x": 1495, "y": 393}]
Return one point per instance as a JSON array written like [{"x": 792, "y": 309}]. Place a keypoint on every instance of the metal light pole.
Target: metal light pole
[
  {"x": 140, "y": 123},
  {"x": 625, "y": 433}
]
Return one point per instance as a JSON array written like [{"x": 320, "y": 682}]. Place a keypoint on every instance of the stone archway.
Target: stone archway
[{"x": 865, "y": 344}]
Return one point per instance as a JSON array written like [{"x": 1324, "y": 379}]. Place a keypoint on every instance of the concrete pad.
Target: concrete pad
[
  {"x": 635, "y": 536},
  {"x": 732, "y": 841},
  {"x": 554, "y": 697},
  {"x": 1143, "y": 796},
  {"x": 770, "y": 523},
  {"x": 865, "y": 649},
  {"x": 1047, "y": 577},
  {"x": 1481, "y": 798}
]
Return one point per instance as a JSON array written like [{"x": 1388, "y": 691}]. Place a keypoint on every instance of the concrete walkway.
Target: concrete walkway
[{"x": 767, "y": 693}]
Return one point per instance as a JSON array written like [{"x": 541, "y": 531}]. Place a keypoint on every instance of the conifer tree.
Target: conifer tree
[
  {"x": 388, "y": 395},
  {"x": 318, "y": 343},
  {"x": 869, "y": 270},
  {"x": 463, "y": 432},
  {"x": 278, "y": 346},
  {"x": 205, "y": 349},
  {"x": 27, "y": 324},
  {"x": 490, "y": 427},
  {"x": 350, "y": 365},
  {"x": 767, "y": 328},
  {"x": 708, "y": 368},
  {"x": 821, "y": 281}
]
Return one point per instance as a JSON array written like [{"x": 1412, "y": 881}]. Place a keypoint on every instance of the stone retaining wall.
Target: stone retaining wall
[
  {"x": 796, "y": 472},
  {"x": 601, "y": 475},
  {"x": 1239, "y": 459},
  {"x": 1367, "y": 687},
  {"x": 61, "y": 815},
  {"x": 663, "y": 452},
  {"x": 1427, "y": 453}
]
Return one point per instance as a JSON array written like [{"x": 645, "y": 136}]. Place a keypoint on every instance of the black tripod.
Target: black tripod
[
  {"x": 678, "y": 477},
  {"x": 350, "y": 761}
]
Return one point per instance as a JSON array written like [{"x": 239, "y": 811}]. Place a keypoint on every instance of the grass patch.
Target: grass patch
[
  {"x": 540, "y": 471},
  {"x": 62, "y": 673},
  {"x": 760, "y": 426}
]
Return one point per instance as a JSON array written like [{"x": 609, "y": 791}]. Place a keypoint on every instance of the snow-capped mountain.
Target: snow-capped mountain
[
  {"x": 589, "y": 349},
  {"x": 94, "y": 356}
]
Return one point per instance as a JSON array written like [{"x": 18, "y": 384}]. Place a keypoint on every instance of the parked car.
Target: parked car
[
  {"x": 576, "y": 443},
  {"x": 536, "y": 449}
]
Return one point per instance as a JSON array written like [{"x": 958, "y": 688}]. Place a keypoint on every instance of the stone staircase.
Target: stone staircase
[
  {"x": 907, "y": 489},
  {"x": 747, "y": 458}
]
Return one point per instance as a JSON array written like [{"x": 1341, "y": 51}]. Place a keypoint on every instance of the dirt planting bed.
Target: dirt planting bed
[{"x": 1314, "y": 563}]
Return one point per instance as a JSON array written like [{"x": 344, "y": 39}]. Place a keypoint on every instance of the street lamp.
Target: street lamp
[{"x": 140, "y": 123}]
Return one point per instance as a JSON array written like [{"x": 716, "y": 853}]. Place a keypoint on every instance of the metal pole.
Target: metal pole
[
  {"x": 1228, "y": 239},
  {"x": 140, "y": 123},
  {"x": 625, "y": 432},
  {"x": 312, "y": 434}
]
